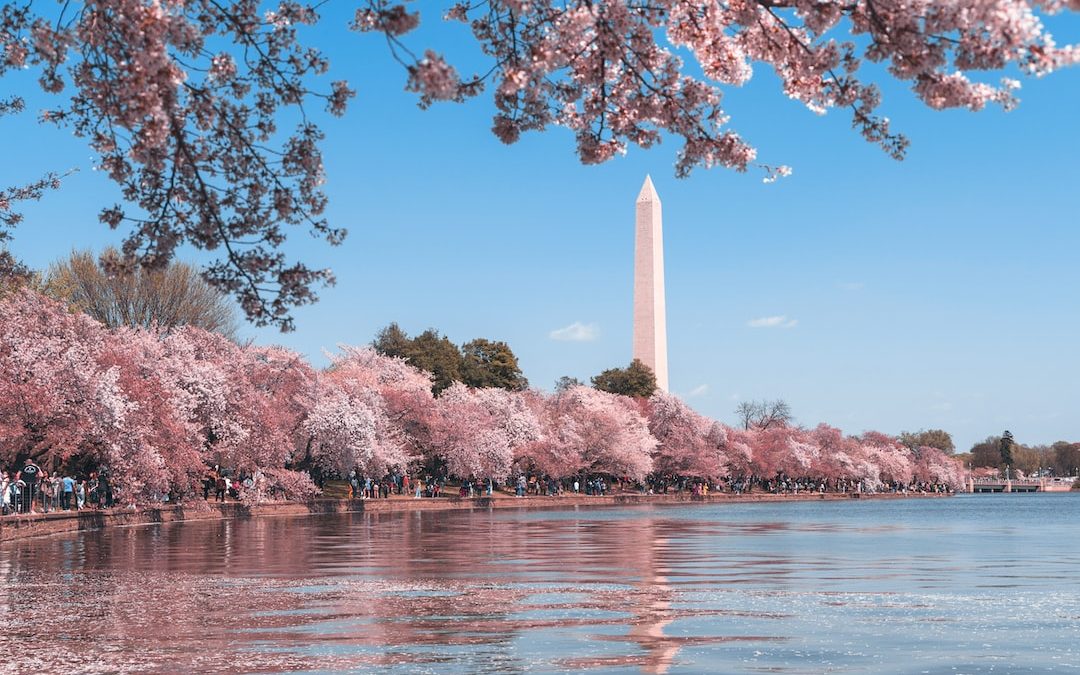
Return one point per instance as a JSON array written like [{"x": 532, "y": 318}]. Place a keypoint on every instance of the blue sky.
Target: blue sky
[{"x": 934, "y": 292}]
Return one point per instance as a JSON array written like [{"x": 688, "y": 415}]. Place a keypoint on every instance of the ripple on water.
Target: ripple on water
[{"x": 897, "y": 587}]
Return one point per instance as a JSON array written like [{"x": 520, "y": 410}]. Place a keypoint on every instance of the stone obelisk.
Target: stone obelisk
[{"x": 650, "y": 322}]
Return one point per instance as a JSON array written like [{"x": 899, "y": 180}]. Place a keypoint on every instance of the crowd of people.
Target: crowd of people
[
  {"x": 599, "y": 485},
  {"x": 369, "y": 487},
  {"x": 428, "y": 486},
  {"x": 525, "y": 484},
  {"x": 782, "y": 484},
  {"x": 30, "y": 489}
]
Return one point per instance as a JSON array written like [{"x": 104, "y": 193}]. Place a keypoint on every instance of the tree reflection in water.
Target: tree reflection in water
[
  {"x": 810, "y": 588},
  {"x": 482, "y": 590}
]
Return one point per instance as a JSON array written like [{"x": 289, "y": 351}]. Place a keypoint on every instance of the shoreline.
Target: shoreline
[{"x": 22, "y": 527}]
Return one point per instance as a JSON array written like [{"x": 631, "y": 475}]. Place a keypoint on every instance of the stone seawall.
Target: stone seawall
[{"x": 16, "y": 527}]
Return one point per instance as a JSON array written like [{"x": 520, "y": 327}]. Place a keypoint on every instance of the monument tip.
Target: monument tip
[{"x": 648, "y": 192}]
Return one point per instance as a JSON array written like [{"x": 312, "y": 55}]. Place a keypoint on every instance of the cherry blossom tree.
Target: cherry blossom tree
[
  {"x": 785, "y": 450},
  {"x": 73, "y": 389},
  {"x": 154, "y": 448},
  {"x": 209, "y": 370},
  {"x": 10, "y": 196},
  {"x": 739, "y": 453},
  {"x": 242, "y": 407},
  {"x": 283, "y": 385},
  {"x": 350, "y": 432},
  {"x": 480, "y": 431},
  {"x": 838, "y": 455},
  {"x": 183, "y": 103},
  {"x": 159, "y": 407},
  {"x": 587, "y": 430},
  {"x": 609, "y": 71},
  {"x": 892, "y": 460},
  {"x": 556, "y": 451},
  {"x": 689, "y": 444},
  {"x": 248, "y": 404},
  {"x": 936, "y": 466},
  {"x": 54, "y": 395},
  {"x": 770, "y": 450},
  {"x": 406, "y": 389},
  {"x": 368, "y": 413},
  {"x": 398, "y": 394}
]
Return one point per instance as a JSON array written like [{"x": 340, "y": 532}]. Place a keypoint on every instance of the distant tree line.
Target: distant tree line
[
  {"x": 1061, "y": 458},
  {"x": 484, "y": 363},
  {"x": 1000, "y": 451}
]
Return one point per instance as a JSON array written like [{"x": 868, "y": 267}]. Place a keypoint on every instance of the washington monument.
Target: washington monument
[{"x": 650, "y": 323}]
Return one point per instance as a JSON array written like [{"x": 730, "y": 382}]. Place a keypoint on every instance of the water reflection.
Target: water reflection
[{"x": 778, "y": 588}]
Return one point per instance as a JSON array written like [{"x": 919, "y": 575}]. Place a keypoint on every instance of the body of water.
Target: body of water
[{"x": 972, "y": 584}]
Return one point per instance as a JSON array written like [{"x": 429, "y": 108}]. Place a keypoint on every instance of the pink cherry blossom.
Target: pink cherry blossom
[
  {"x": 586, "y": 430},
  {"x": 159, "y": 408}
]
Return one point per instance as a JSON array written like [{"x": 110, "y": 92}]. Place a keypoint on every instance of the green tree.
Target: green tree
[
  {"x": 427, "y": 351},
  {"x": 478, "y": 363},
  {"x": 1006, "y": 445},
  {"x": 392, "y": 341},
  {"x": 637, "y": 380},
  {"x": 932, "y": 438},
  {"x": 436, "y": 354},
  {"x": 486, "y": 363}
]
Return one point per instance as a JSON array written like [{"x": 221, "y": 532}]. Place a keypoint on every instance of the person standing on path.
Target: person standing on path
[
  {"x": 30, "y": 475},
  {"x": 68, "y": 487},
  {"x": 105, "y": 488}
]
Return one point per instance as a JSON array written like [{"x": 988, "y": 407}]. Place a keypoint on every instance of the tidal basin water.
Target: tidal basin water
[{"x": 972, "y": 584}]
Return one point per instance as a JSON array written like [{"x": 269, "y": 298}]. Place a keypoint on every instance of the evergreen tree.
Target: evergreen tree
[
  {"x": 392, "y": 341},
  {"x": 1006, "y": 447},
  {"x": 487, "y": 363},
  {"x": 637, "y": 380}
]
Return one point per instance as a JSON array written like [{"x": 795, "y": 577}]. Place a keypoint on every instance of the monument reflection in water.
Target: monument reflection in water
[{"x": 970, "y": 584}]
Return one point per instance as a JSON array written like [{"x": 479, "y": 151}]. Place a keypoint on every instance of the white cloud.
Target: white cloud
[
  {"x": 773, "y": 322},
  {"x": 699, "y": 390},
  {"x": 576, "y": 332},
  {"x": 851, "y": 286}
]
